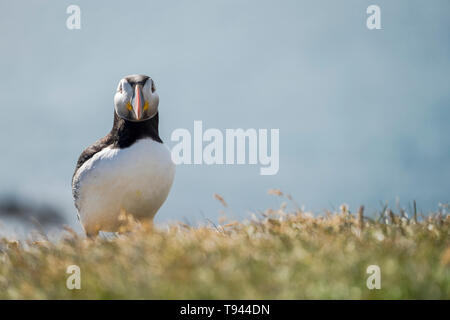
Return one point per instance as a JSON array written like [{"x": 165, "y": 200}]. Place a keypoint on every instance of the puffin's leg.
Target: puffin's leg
[
  {"x": 146, "y": 223},
  {"x": 91, "y": 235},
  {"x": 91, "y": 232}
]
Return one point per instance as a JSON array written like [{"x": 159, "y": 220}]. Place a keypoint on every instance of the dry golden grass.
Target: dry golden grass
[{"x": 280, "y": 255}]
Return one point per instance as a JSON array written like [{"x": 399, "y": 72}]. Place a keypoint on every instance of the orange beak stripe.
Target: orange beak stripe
[{"x": 138, "y": 102}]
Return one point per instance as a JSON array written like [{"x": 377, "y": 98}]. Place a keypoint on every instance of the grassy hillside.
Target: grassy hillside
[{"x": 279, "y": 255}]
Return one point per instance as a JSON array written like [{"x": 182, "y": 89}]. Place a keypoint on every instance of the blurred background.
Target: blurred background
[{"x": 363, "y": 114}]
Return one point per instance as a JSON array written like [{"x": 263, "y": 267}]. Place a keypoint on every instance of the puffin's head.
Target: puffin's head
[{"x": 136, "y": 98}]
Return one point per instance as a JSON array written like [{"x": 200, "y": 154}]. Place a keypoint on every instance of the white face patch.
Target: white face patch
[
  {"x": 123, "y": 95},
  {"x": 152, "y": 97},
  {"x": 136, "y": 179}
]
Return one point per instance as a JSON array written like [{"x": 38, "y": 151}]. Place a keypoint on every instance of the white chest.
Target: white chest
[{"x": 136, "y": 179}]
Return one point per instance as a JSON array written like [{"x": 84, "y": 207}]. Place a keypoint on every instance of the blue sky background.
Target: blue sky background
[{"x": 363, "y": 115}]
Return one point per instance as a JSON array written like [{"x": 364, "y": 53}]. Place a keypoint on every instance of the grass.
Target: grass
[{"x": 280, "y": 255}]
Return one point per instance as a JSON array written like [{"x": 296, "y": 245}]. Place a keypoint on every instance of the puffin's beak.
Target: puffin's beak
[{"x": 138, "y": 102}]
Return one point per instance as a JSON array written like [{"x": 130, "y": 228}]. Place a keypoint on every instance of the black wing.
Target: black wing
[{"x": 90, "y": 151}]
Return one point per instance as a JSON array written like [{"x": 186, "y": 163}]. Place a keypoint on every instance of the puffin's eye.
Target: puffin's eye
[
  {"x": 119, "y": 88},
  {"x": 153, "y": 87}
]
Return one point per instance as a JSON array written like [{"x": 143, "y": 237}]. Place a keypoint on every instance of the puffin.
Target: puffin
[{"x": 130, "y": 170}]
